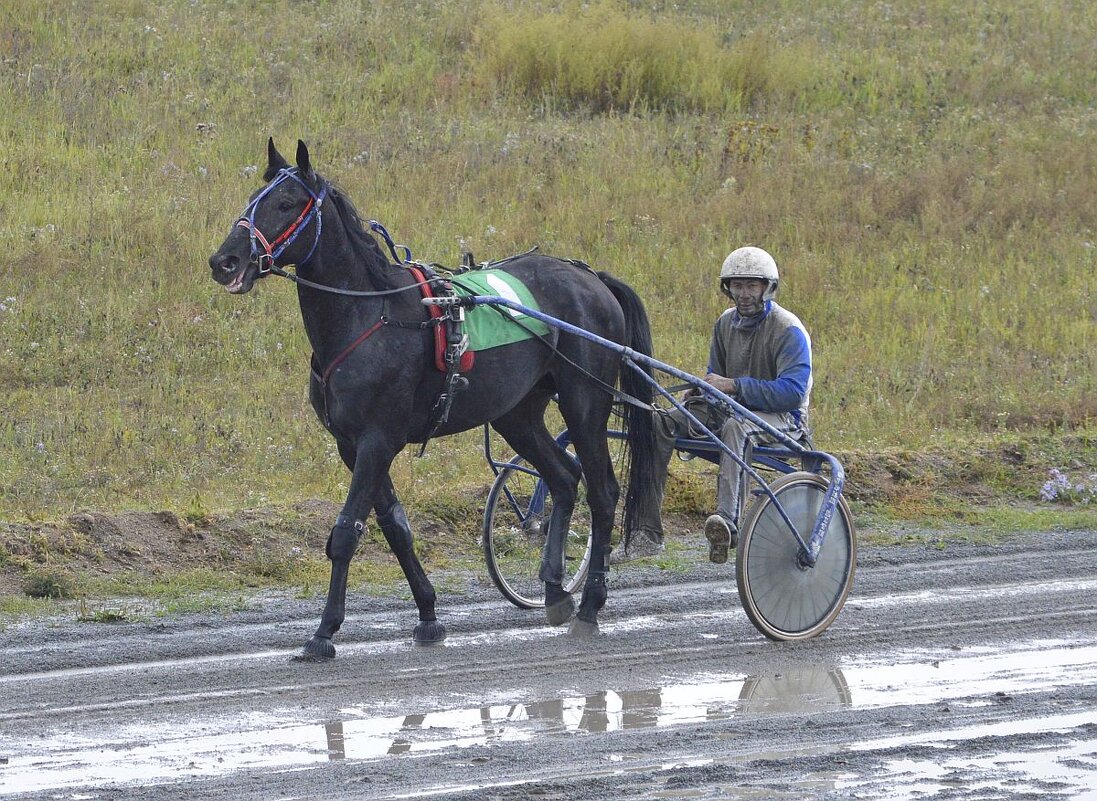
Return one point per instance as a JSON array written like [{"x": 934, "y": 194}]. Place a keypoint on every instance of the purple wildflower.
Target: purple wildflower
[{"x": 1059, "y": 487}]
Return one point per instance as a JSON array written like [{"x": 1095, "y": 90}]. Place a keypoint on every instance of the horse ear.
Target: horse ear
[
  {"x": 275, "y": 162},
  {"x": 303, "y": 164}
]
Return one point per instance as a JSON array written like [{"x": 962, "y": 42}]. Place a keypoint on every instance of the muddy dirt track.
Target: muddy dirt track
[{"x": 960, "y": 673}]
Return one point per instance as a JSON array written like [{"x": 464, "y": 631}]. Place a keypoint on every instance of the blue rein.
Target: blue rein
[{"x": 394, "y": 249}]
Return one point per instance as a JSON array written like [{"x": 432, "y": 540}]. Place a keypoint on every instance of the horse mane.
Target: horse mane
[{"x": 366, "y": 250}]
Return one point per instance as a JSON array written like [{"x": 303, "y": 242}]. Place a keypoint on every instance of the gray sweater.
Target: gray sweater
[{"x": 769, "y": 356}]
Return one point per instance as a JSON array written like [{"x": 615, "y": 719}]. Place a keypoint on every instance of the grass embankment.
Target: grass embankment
[{"x": 923, "y": 173}]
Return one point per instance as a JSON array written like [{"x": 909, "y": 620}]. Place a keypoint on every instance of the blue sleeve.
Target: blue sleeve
[{"x": 786, "y": 392}]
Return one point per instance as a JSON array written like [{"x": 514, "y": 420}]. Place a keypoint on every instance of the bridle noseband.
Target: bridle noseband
[{"x": 264, "y": 252}]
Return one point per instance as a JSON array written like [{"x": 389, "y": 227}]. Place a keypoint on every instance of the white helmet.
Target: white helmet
[{"x": 750, "y": 262}]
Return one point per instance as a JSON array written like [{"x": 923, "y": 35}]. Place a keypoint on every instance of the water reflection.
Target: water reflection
[
  {"x": 807, "y": 687},
  {"x": 334, "y": 732},
  {"x": 173, "y": 749}
]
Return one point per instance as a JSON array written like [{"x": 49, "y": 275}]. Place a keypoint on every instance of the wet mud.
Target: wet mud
[{"x": 964, "y": 672}]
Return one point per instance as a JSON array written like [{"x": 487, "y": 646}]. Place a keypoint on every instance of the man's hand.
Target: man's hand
[{"x": 725, "y": 385}]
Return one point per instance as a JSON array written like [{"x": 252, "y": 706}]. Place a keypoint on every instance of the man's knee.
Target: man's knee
[
  {"x": 734, "y": 432},
  {"x": 666, "y": 432},
  {"x": 672, "y": 424}
]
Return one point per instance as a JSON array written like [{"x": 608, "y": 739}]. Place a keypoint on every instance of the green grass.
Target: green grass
[
  {"x": 923, "y": 172},
  {"x": 600, "y": 58},
  {"x": 984, "y": 526},
  {"x": 136, "y": 595},
  {"x": 21, "y": 607}
]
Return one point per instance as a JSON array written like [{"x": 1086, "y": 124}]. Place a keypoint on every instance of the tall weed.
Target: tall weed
[{"x": 606, "y": 57}]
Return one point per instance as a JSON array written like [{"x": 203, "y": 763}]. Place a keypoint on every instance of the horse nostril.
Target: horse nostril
[{"x": 223, "y": 262}]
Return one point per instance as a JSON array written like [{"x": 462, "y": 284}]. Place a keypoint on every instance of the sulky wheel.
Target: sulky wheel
[
  {"x": 517, "y": 508},
  {"x": 783, "y": 599}
]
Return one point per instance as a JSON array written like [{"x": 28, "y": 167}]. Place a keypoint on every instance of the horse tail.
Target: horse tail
[{"x": 639, "y": 422}]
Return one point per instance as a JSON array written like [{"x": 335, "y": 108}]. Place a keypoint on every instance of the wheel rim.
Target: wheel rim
[
  {"x": 516, "y": 539},
  {"x": 783, "y": 599}
]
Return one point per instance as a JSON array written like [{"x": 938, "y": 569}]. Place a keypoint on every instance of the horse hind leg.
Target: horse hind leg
[
  {"x": 587, "y": 426},
  {"x": 524, "y": 430},
  {"x": 563, "y": 486},
  {"x": 559, "y": 604},
  {"x": 601, "y": 496}
]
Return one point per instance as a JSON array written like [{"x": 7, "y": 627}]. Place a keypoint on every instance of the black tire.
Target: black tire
[
  {"x": 783, "y": 600},
  {"x": 512, "y": 536}
]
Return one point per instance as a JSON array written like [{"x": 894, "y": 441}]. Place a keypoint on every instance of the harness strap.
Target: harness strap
[
  {"x": 338, "y": 359},
  {"x": 394, "y": 249},
  {"x": 451, "y": 354},
  {"x": 449, "y": 357},
  {"x": 444, "y": 350},
  {"x": 242, "y": 222}
]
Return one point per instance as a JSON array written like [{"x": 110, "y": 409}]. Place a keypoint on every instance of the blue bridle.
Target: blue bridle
[{"x": 263, "y": 251}]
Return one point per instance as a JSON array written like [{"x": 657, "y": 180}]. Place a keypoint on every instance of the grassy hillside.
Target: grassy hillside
[{"x": 923, "y": 172}]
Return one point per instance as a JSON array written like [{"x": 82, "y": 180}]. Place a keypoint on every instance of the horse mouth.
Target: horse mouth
[{"x": 244, "y": 280}]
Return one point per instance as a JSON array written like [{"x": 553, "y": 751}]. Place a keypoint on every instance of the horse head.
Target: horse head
[{"x": 280, "y": 225}]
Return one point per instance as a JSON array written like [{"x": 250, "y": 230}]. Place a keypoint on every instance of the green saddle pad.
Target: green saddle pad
[{"x": 492, "y": 326}]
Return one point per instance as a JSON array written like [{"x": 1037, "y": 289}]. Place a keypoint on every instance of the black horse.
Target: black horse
[{"x": 375, "y": 385}]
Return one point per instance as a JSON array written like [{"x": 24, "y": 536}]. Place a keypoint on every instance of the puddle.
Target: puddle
[
  {"x": 972, "y": 671},
  {"x": 1038, "y": 772},
  {"x": 212, "y": 745},
  {"x": 273, "y": 741}
]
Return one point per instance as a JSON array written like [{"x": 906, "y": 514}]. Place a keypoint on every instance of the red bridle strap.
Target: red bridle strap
[
  {"x": 243, "y": 222},
  {"x": 293, "y": 227}
]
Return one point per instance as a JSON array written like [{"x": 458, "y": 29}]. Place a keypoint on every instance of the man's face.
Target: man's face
[{"x": 747, "y": 293}]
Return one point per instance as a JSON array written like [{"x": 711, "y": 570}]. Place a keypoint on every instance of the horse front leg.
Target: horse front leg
[
  {"x": 342, "y": 542},
  {"x": 368, "y": 466},
  {"x": 394, "y": 525}
]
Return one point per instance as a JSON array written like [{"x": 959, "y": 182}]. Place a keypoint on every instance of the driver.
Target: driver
[{"x": 760, "y": 356}]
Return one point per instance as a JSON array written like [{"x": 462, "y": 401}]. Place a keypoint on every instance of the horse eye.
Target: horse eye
[{"x": 285, "y": 204}]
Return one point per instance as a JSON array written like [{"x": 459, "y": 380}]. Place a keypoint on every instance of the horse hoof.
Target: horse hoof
[
  {"x": 583, "y": 629},
  {"x": 317, "y": 649},
  {"x": 429, "y": 632},
  {"x": 560, "y": 612}
]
